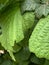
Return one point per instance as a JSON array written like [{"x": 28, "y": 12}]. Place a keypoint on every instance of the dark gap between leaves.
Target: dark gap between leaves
[{"x": 0, "y": 30}]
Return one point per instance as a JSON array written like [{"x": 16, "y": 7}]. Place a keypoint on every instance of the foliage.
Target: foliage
[{"x": 24, "y": 32}]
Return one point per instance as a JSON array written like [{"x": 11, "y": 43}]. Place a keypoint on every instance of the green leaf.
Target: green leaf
[
  {"x": 46, "y": 62},
  {"x": 39, "y": 40},
  {"x": 1, "y": 59},
  {"x": 42, "y": 10},
  {"x": 28, "y": 22},
  {"x": 29, "y": 5},
  {"x": 4, "y": 3},
  {"x": 14, "y": 63},
  {"x": 6, "y": 62},
  {"x": 16, "y": 48},
  {"x": 24, "y": 63},
  {"x": 45, "y": 1},
  {"x": 22, "y": 55},
  {"x": 1, "y": 48},
  {"x": 11, "y": 26},
  {"x": 6, "y": 56},
  {"x": 37, "y": 60}
]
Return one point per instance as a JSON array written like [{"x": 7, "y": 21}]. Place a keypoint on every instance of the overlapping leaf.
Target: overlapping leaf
[
  {"x": 22, "y": 55},
  {"x": 29, "y": 5},
  {"x": 39, "y": 40},
  {"x": 46, "y": 62},
  {"x": 45, "y": 1},
  {"x": 39, "y": 7},
  {"x": 37, "y": 60},
  {"x": 11, "y": 24},
  {"x": 42, "y": 10},
  {"x": 4, "y": 3},
  {"x": 28, "y": 22}
]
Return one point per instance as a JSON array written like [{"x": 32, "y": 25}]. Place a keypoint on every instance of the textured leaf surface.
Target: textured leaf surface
[
  {"x": 11, "y": 28},
  {"x": 29, "y": 5},
  {"x": 45, "y": 1},
  {"x": 39, "y": 40},
  {"x": 3, "y": 3},
  {"x": 42, "y": 10},
  {"x": 6, "y": 3},
  {"x": 28, "y": 20}
]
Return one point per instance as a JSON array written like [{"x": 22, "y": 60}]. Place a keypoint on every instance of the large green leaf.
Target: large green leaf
[
  {"x": 11, "y": 27},
  {"x": 39, "y": 40}
]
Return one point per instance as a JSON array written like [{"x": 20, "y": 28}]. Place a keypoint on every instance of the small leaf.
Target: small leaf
[
  {"x": 22, "y": 55},
  {"x": 28, "y": 22},
  {"x": 42, "y": 10},
  {"x": 29, "y": 5}
]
